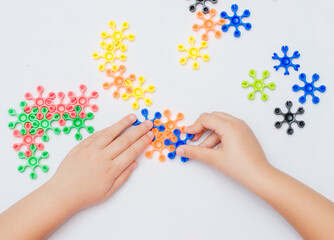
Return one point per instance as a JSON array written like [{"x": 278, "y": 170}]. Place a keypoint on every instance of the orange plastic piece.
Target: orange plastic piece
[
  {"x": 119, "y": 81},
  {"x": 209, "y": 24},
  {"x": 138, "y": 92},
  {"x": 193, "y": 52},
  {"x": 170, "y": 126},
  {"x": 109, "y": 56}
]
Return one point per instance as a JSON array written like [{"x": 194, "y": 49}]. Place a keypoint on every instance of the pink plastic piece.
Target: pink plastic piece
[
  {"x": 83, "y": 101},
  {"x": 62, "y": 108}
]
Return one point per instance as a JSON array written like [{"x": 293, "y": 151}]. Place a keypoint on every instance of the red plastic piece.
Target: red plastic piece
[
  {"x": 83, "y": 100},
  {"x": 62, "y": 108}
]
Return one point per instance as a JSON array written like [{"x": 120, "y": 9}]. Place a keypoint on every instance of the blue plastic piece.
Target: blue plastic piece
[
  {"x": 286, "y": 61},
  {"x": 236, "y": 20},
  {"x": 157, "y": 115},
  {"x": 309, "y": 88},
  {"x": 178, "y": 143}
]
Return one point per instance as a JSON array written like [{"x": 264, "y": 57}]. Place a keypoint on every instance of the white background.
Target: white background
[{"x": 50, "y": 43}]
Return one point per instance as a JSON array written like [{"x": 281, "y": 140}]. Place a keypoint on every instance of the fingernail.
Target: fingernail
[
  {"x": 148, "y": 123},
  {"x": 180, "y": 151},
  {"x": 132, "y": 117},
  {"x": 150, "y": 134}
]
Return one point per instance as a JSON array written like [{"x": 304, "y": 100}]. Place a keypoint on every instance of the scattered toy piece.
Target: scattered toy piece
[
  {"x": 206, "y": 9},
  {"x": 286, "y": 61}
]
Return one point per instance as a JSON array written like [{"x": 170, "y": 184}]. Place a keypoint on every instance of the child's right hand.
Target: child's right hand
[{"x": 239, "y": 154}]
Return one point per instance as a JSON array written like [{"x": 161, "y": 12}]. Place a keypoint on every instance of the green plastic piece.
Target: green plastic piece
[
  {"x": 78, "y": 123},
  {"x": 258, "y": 85},
  {"x": 23, "y": 117},
  {"x": 33, "y": 162},
  {"x": 46, "y": 125}
]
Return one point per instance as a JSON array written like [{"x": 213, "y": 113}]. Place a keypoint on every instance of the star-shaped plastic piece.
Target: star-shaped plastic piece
[
  {"x": 209, "y": 24},
  {"x": 236, "y": 21},
  {"x": 206, "y": 9},
  {"x": 309, "y": 88},
  {"x": 258, "y": 85},
  {"x": 83, "y": 101},
  {"x": 138, "y": 92},
  {"x": 286, "y": 61},
  {"x": 62, "y": 108},
  {"x": 157, "y": 115},
  {"x": 289, "y": 117},
  {"x": 119, "y": 81},
  {"x": 178, "y": 143},
  {"x": 193, "y": 52},
  {"x": 33, "y": 162}
]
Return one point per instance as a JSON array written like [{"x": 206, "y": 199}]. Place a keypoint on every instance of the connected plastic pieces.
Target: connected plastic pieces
[
  {"x": 178, "y": 143},
  {"x": 206, "y": 9},
  {"x": 157, "y": 115},
  {"x": 286, "y": 61},
  {"x": 258, "y": 85},
  {"x": 309, "y": 88},
  {"x": 193, "y": 52},
  {"x": 289, "y": 117},
  {"x": 236, "y": 21}
]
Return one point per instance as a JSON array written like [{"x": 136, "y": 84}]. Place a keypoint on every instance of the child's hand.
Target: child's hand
[
  {"x": 239, "y": 154},
  {"x": 98, "y": 166}
]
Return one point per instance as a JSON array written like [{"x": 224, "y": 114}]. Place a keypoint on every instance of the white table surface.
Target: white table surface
[{"x": 50, "y": 43}]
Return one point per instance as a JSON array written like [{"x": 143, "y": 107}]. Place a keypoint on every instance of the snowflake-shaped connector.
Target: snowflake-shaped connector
[
  {"x": 118, "y": 35},
  {"x": 78, "y": 123},
  {"x": 33, "y": 162},
  {"x": 193, "y": 52},
  {"x": 236, "y": 20},
  {"x": 206, "y": 9},
  {"x": 258, "y": 85},
  {"x": 209, "y": 25},
  {"x": 138, "y": 92},
  {"x": 157, "y": 115},
  {"x": 62, "y": 108},
  {"x": 289, "y": 117},
  {"x": 178, "y": 143},
  {"x": 83, "y": 101},
  {"x": 109, "y": 56},
  {"x": 286, "y": 61},
  {"x": 28, "y": 139},
  {"x": 119, "y": 81},
  {"x": 309, "y": 88},
  {"x": 40, "y": 102}
]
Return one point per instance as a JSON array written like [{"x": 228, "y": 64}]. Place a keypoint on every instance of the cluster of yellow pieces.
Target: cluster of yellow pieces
[{"x": 114, "y": 50}]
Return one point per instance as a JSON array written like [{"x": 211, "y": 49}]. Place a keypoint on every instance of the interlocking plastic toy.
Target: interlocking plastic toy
[
  {"x": 206, "y": 9},
  {"x": 62, "y": 108},
  {"x": 193, "y": 52},
  {"x": 118, "y": 35},
  {"x": 236, "y": 20},
  {"x": 33, "y": 162},
  {"x": 285, "y": 61},
  {"x": 109, "y": 56},
  {"x": 119, "y": 81},
  {"x": 289, "y": 117},
  {"x": 309, "y": 88},
  {"x": 178, "y": 143},
  {"x": 138, "y": 92},
  {"x": 78, "y": 123},
  {"x": 258, "y": 85},
  {"x": 83, "y": 101},
  {"x": 157, "y": 115},
  {"x": 209, "y": 25}
]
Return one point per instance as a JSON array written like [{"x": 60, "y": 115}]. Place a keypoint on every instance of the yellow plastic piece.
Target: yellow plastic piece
[
  {"x": 118, "y": 35},
  {"x": 193, "y": 52},
  {"x": 109, "y": 56},
  {"x": 138, "y": 92}
]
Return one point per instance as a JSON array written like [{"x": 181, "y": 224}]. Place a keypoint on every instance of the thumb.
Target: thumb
[{"x": 203, "y": 154}]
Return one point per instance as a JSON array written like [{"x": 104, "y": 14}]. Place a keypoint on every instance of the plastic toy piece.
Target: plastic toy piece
[
  {"x": 258, "y": 85},
  {"x": 118, "y": 35},
  {"x": 193, "y": 52},
  {"x": 285, "y": 61},
  {"x": 178, "y": 143},
  {"x": 209, "y": 24},
  {"x": 289, "y": 117},
  {"x": 78, "y": 123},
  {"x": 109, "y": 56},
  {"x": 309, "y": 88},
  {"x": 33, "y": 162},
  {"x": 206, "y": 9},
  {"x": 62, "y": 108},
  {"x": 28, "y": 139},
  {"x": 119, "y": 81},
  {"x": 83, "y": 101},
  {"x": 236, "y": 21},
  {"x": 157, "y": 115},
  {"x": 138, "y": 92},
  {"x": 170, "y": 125}
]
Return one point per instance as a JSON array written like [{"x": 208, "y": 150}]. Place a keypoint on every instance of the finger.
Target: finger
[
  {"x": 129, "y": 155},
  {"x": 127, "y": 139},
  {"x": 211, "y": 141},
  {"x": 197, "y": 136},
  {"x": 202, "y": 154},
  {"x": 121, "y": 179},
  {"x": 224, "y": 115},
  {"x": 106, "y": 136}
]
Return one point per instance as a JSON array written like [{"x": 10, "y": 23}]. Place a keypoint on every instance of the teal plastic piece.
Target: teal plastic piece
[
  {"x": 33, "y": 162},
  {"x": 258, "y": 85},
  {"x": 78, "y": 123}
]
